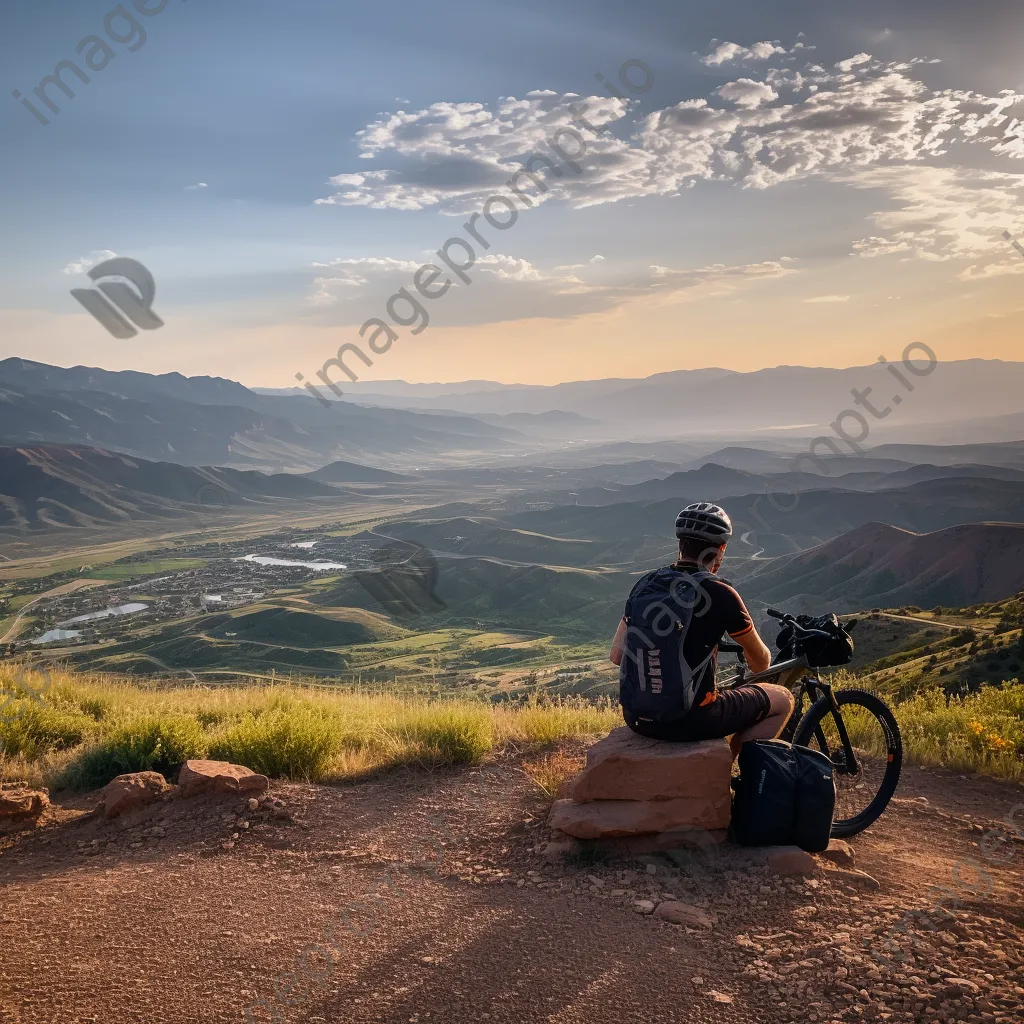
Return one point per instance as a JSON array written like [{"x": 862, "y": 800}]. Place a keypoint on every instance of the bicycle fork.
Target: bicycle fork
[{"x": 813, "y": 687}]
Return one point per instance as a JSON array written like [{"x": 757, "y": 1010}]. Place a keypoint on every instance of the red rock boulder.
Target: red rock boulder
[
  {"x": 130, "y": 792},
  {"x": 219, "y": 777},
  {"x": 22, "y": 805}
]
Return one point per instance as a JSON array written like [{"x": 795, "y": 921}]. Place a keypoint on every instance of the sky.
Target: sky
[{"x": 795, "y": 183}]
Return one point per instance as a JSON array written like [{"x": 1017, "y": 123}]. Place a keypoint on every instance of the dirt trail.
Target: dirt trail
[{"x": 428, "y": 903}]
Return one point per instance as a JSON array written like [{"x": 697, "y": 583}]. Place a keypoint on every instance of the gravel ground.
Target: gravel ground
[{"x": 425, "y": 897}]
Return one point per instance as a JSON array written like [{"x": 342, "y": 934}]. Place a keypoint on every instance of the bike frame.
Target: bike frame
[{"x": 793, "y": 674}]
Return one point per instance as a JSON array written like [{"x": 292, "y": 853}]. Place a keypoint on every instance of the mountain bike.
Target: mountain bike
[{"x": 855, "y": 729}]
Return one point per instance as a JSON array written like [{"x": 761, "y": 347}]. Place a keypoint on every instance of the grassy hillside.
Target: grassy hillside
[
  {"x": 80, "y": 731},
  {"x": 83, "y": 730}
]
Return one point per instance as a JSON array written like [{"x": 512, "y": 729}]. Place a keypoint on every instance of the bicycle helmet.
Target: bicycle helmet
[{"x": 704, "y": 521}]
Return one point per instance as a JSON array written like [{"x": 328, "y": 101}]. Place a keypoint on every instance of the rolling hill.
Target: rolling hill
[
  {"x": 48, "y": 486},
  {"x": 878, "y": 565},
  {"x": 210, "y": 421}
]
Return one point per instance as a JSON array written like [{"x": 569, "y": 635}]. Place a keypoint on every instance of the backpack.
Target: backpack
[
  {"x": 655, "y": 681},
  {"x": 785, "y": 796},
  {"x": 821, "y": 652}
]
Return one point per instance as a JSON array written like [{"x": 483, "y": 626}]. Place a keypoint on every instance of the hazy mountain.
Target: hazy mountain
[
  {"x": 878, "y": 565},
  {"x": 709, "y": 400},
  {"x": 643, "y": 529},
  {"x": 208, "y": 421},
  {"x": 341, "y": 472},
  {"x": 48, "y": 487}
]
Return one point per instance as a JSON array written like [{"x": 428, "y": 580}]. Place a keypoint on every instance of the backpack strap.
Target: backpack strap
[{"x": 636, "y": 586}]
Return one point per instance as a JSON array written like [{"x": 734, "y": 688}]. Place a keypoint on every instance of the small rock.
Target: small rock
[
  {"x": 652, "y": 869},
  {"x": 682, "y": 913},
  {"x": 557, "y": 850},
  {"x": 643, "y": 907},
  {"x": 839, "y": 852},
  {"x": 861, "y": 878},
  {"x": 253, "y": 804},
  {"x": 959, "y": 985},
  {"x": 719, "y": 997},
  {"x": 790, "y": 860}
]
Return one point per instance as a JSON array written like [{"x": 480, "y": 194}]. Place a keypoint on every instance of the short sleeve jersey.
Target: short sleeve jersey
[{"x": 723, "y": 611}]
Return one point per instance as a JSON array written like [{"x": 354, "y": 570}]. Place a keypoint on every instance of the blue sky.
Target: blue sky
[{"x": 874, "y": 222}]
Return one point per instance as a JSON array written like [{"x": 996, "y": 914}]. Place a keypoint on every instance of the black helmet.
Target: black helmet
[{"x": 704, "y": 521}]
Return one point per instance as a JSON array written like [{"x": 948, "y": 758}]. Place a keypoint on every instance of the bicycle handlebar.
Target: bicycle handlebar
[{"x": 791, "y": 621}]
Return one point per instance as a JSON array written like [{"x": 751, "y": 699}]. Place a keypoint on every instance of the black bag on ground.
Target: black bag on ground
[
  {"x": 821, "y": 652},
  {"x": 785, "y": 796}
]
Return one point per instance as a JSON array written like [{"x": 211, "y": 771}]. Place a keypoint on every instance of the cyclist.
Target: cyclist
[{"x": 748, "y": 712}]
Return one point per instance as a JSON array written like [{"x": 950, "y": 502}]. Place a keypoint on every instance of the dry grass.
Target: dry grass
[
  {"x": 83, "y": 729},
  {"x": 551, "y": 771}
]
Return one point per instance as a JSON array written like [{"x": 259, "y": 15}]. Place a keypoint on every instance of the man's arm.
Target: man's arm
[
  {"x": 618, "y": 643},
  {"x": 755, "y": 651},
  {"x": 740, "y": 626}
]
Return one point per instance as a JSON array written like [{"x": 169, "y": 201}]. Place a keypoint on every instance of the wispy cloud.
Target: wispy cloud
[
  {"x": 80, "y": 266},
  {"x": 723, "y": 53},
  {"x": 828, "y": 298}
]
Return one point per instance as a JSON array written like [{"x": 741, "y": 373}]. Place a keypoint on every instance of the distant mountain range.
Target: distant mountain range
[
  {"x": 715, "y": 399},
  {"x": 877, "y": 565},
  {"x": 212, "y": 421},
  {"x": 201, "y": 421},
  {"x": 49, "y": 487}
]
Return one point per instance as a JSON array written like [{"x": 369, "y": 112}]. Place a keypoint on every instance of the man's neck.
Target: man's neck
[{"x": 692, "y": 563}]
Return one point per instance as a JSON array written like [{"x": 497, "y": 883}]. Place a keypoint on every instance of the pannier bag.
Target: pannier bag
[
  {"x": 785, "y": 796},
  {"x": 655, "y": 681},
  {"x": 821, "y": 652}
]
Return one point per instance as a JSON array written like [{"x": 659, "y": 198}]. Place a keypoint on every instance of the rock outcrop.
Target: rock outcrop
[
  {"x": 130, "y": 792},
  {"x": 199, "y": 776},
  {"x": 634, "y": 786},
  {"x": 21, "y": 806}
]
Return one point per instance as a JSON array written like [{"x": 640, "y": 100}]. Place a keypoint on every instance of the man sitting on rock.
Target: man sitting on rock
[{"x": 667, "y": 642}]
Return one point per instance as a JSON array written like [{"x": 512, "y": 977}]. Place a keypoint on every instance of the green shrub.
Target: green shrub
[
  {"x": 293, "y": 741},
  {"x": 32, "y": 726},
  {"x": 152, "y": 743},
  {"x": 448, "y": 734}
]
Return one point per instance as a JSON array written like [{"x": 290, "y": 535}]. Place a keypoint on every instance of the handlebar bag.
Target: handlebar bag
[
  {"x": 785, "y": 796},
  {"x": 820, "y": 651}
]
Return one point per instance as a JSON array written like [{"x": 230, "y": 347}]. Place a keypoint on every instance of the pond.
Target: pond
[
  {"x": 268, "y": 560},
  {"x": 106, "y": 613}
]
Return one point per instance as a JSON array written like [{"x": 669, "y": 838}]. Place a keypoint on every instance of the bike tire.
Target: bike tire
[{"x": 809, "y": 733}]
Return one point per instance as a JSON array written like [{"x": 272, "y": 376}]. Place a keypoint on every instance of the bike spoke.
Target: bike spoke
[{"x": 854, "y": 790}]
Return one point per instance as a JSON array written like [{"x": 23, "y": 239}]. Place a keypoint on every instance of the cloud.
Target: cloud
[
  {"x": 745, "y": 92},
  {"x": 197, "y": 185},
  {"x": 828, "y": 298},
  {"x": 597, "y": 259},
  {"x": 725, "y": 52},
  {"x": 503, "y": 286},
  {"x": 97, "y": 256},
  {"x": 942, "y": 213},
  {"x": 851, "y": 62},
  {"x": 861, "y": 115},
  {"x": 453, "y": 156}
]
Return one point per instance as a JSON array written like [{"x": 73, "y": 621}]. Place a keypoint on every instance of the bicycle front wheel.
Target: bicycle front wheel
[{"x": 864, "y": 789}]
